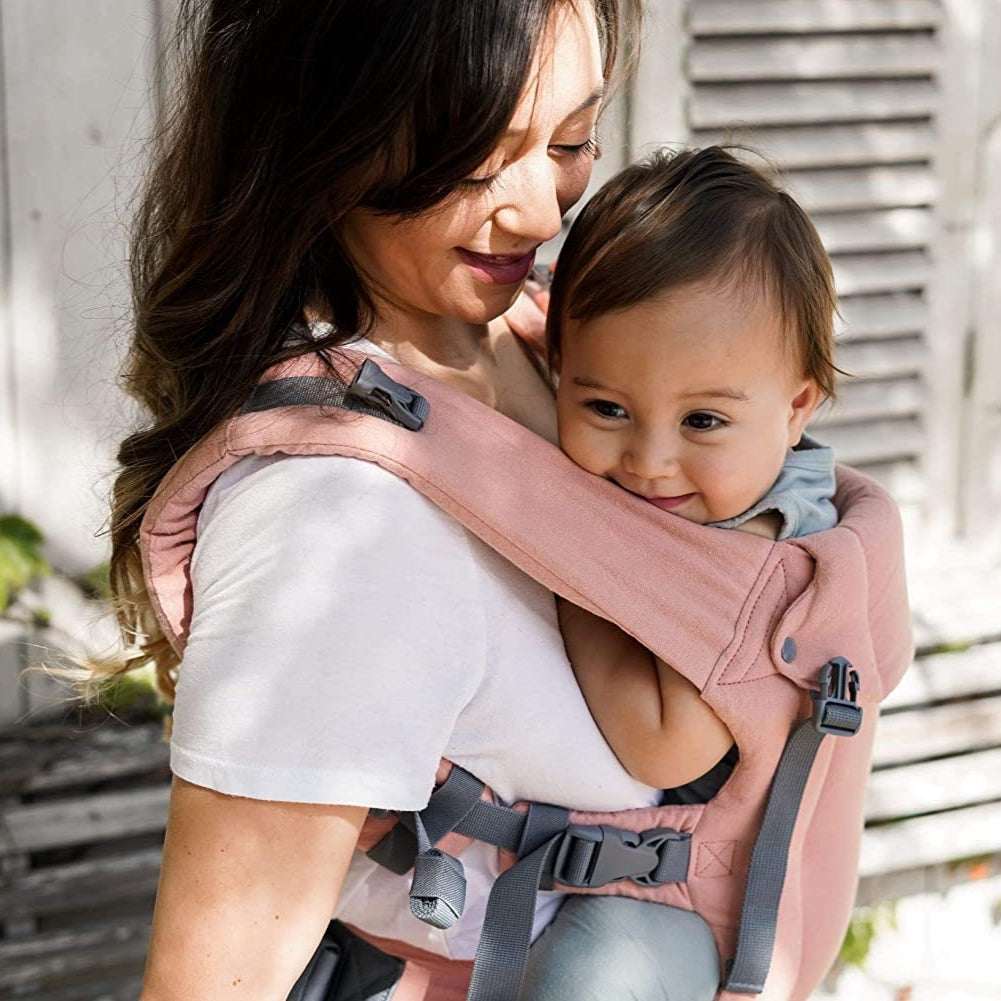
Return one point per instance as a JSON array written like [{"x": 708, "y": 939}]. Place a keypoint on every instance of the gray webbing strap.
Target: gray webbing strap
[
  {"x": 507, "y": 927},
  {"x": 305, "y": 391},
  {"x": 766, "y": 875},
  {"x": 835, "y": 712},
  {"x": 438, "y": 889},
  {"x": 448, "y": 806},
  {"x": 371, "y": 392}
]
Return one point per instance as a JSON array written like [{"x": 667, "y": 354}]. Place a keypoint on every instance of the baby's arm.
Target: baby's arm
[{"x": 651, "y": 716}]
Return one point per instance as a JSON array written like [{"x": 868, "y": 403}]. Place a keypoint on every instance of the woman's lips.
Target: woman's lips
[
  {"x": 668, "y": 503},
  {"x": 498, "y": 269}
]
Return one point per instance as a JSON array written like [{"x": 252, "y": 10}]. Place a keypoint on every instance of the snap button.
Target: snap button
[{"x": 788, "y": 649}]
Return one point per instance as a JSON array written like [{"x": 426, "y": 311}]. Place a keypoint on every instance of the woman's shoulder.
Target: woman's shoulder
[{"x": 275, "y": 490}]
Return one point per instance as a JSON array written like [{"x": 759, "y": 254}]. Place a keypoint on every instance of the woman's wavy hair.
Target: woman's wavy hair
[{"x": 282, "y": 118}]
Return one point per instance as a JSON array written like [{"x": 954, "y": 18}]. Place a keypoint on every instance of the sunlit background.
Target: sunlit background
[{"x": 885, "y": 116}]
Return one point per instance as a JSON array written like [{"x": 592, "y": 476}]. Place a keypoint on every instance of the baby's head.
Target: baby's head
[{"x": 691, "y": 324}]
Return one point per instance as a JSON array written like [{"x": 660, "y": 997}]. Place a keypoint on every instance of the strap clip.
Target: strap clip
[
  {"x": 377, "y": 389},
  {"x": 592, "y": 856},
  {"x": 835, "y": 707}
]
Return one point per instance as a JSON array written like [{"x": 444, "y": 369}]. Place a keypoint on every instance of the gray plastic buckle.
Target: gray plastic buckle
[
  {"x": 835, "y": 707},
  {"x": 592, "y": 856},
  {"x": 377, "y": 389}
]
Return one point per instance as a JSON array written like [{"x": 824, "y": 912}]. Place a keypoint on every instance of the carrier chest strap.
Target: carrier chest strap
[{"x": 837, "y": 713}]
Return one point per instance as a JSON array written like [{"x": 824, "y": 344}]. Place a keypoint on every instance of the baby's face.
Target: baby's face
[{"x": 690, "y": 401}]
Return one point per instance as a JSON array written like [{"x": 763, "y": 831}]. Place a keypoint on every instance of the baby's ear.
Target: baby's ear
[{"x": 808, "y": 397}]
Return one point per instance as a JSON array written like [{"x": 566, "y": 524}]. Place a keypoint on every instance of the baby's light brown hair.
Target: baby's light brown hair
[{"x": 698, "y": 216}]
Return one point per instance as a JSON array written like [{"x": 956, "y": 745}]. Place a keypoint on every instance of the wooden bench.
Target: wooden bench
[
  {"x": 82, "y": 818},
  {"x": 934, "y": 798}
]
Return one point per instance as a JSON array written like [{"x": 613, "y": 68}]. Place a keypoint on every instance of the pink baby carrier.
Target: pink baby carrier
[{"x": 792, "y": 643}]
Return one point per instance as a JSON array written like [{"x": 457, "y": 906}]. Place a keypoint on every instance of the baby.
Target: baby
[{"x": 691, "y": 327}]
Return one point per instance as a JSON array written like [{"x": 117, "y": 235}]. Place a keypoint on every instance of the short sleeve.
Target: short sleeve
[{"x": 336, "y": 636}]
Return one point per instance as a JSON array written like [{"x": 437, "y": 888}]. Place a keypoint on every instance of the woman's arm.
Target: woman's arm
[
  {"x": 246, "y": 890},
  {"x": 652, "y": 717}
]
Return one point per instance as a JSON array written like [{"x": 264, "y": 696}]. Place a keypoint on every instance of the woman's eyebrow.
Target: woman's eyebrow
[{"x": 589, "y": 102}]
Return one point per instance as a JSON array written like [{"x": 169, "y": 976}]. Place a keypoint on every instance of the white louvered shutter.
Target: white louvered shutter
[{"x": 843, "y": 97}]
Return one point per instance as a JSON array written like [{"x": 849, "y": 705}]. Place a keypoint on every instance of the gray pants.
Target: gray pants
[{"x": 618, "y": 949}]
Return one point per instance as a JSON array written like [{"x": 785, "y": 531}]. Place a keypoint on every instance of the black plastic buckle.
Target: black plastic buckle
[
  {"x": 377, "y": 389},
  {"x": 591, "y": 856},
  {"x": 835, "y": 707}
]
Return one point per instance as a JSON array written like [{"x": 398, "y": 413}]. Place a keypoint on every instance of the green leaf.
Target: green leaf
[{"x": 20, "y": 530}]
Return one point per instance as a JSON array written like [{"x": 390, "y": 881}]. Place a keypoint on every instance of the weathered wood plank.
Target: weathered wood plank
[
  {"x": 876, "y": 230},
  {"x": 813, "y": 58},
  {"x": 859, "y": 401},
  {"x": 975, "y": 671},
  {"x": 739, "y": 17},
  {"x": 84, "y": 819},
  {"x": 924, "y": 841},
  {"x": 53, "y": 889},
  {"x": 875, "y": 441},
  {"x": 883, "y": 359},
  {"x": 77, "y": 951},
  {"x": 876, "y": 316},
  {"x": 806, "y": 146},
  {"x": 938, "y": 731},
  {"x": 933, "y": 786},
  {"x": 722, "y": 105},
  {"x": 862, "y": 188},
  {"x": 863, "y": 274}
]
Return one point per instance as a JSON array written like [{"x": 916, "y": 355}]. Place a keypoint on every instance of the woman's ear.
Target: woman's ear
[{"x": 808, "y": 397}]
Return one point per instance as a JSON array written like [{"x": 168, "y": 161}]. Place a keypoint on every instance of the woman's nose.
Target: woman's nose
[{"x": 529, "y": 205}]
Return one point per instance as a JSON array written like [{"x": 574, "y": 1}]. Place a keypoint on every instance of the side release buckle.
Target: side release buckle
[
  {"x": 377, "y": 389},
  {"x": 835, "y": 707},
  {"x": 591, "y": 856}
]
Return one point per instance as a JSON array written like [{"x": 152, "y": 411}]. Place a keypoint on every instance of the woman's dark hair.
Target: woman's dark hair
[
  {"x": 697, "y": 216},
  {"x": 283, "y": 117}
]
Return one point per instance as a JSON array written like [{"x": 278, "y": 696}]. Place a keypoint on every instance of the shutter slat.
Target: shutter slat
[
  {"x": 875, "y": 441},
  {"x": 830, "y": 146},
  {"x": 859, "y": 401},
  {"x": 755, "y": 17},
  {"x": 883, "y": 359},
  {"x": 873, "y": 316},
  {"x": 860, "y": 274},
  {"x": 805, "y": 103},
  {"x": 862, "y": 188},
  {"x": 863, "y": 57},
  {"x": 890, "y": 229}
]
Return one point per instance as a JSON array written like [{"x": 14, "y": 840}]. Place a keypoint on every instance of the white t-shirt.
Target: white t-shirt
[{"x": 347, "y": 634}]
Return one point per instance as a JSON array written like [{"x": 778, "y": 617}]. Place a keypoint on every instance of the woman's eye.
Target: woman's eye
[
  {"x": 702, "y": 421},
  {"x": 589, "y": 148},
  {"x": 607, "y": 409},
  {"x": 480, "y": 183}
]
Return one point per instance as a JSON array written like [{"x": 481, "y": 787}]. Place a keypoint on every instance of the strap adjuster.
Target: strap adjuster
[
  {"x": 835, "y": 707},
  {"x": 591, "y": 856},
  {"x": 377, "y": 389}
]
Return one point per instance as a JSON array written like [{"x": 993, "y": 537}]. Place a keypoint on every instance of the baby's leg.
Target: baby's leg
[{"x": 618, "y": 949}]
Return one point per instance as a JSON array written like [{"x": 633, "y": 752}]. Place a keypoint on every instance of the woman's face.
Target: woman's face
[{"x": 467, "y": 258}]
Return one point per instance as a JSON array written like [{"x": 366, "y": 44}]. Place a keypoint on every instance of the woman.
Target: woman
[{"x": 380, "y": 174}]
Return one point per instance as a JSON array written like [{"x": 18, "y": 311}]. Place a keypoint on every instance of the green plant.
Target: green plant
[
  {"x": 21, "y": 560},
  {"x": 865, "y": 925}
]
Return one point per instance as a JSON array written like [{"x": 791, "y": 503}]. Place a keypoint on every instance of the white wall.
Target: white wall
[{"x": 75, "y": 83}]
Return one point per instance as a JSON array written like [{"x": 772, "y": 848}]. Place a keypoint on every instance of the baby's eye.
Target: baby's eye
[
  {"x": 702, "y": 421},
  {"x": 607, "y": 409}
]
